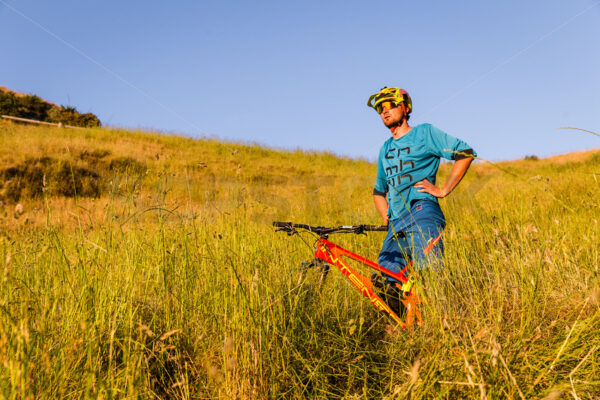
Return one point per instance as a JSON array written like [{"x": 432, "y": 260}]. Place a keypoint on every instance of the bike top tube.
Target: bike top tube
[{"x": 291, "y": 228}]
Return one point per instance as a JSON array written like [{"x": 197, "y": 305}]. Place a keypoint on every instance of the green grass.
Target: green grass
[{"x": 172, "y": 284}]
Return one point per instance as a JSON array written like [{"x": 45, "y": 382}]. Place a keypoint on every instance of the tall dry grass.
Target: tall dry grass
[{"x": 172, "y": 284}]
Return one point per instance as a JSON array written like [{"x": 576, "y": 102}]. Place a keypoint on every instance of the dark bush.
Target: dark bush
[
  {"x": 94, "y": 157},
  {"x": 69, "y": 180},
  {"x": 532, "y": 158},
  {"x": 33, "y": 176},
  {"x": 25, "y": 179},
  {"x": 33, "y": 107},
  {"x": 8, "y": 103},
  {"x": 70, "y": 116},
  {"x": 86, "y": 175},
  {"x": 127, "y": 164},
  {"x": 26, "y": 106}
]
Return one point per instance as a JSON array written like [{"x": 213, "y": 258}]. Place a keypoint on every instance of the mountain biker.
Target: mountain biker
[{"x": 405, "y": 193}]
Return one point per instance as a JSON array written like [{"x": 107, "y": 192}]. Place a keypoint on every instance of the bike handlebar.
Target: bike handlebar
[{"x": 290, "y": 228}]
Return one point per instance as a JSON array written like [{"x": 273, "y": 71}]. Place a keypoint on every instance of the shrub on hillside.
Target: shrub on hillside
[
  {"x": 33, "y": 176},
  {"x": 24, "y": 106},
  {"x": 85, "y": 176},
  {"x": 8, "y": 103},
  {"x": 33, "y": 107},
  {"x": 94, "y": 157},
  {"x": 127, "y": 164},
  {"x": 70, "y": 116}
]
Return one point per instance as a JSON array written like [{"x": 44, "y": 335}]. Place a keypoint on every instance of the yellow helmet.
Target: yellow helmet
[{"x": 394, "y": 95}]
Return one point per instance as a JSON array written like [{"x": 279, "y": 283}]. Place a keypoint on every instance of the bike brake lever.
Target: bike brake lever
[{"x": 289, "y": 231}]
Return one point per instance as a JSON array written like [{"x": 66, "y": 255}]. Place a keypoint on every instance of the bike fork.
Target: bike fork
[{"x": 319, "y": 265}]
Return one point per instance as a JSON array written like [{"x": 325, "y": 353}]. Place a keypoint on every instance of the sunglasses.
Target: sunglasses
[{"x": 386, "y": 105}]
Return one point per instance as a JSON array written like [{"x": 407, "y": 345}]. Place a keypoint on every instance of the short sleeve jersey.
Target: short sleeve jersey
[{"x": 410, "y": 159}]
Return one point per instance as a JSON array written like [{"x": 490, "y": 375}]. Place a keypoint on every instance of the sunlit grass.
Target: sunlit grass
[{"x": 173, "y": 284}]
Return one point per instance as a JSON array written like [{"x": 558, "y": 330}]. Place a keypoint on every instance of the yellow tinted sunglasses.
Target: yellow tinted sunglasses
[{"x": 386, "y": 105}]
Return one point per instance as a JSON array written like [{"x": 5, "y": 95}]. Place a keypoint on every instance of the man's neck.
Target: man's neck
[{"x": 400, "y": 130}]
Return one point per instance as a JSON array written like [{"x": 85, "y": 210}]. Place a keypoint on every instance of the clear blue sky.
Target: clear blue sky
[{"x": 500, "y": 75}]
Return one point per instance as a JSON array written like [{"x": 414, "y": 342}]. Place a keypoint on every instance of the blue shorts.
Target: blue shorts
[{"x": 423, "y": 226}]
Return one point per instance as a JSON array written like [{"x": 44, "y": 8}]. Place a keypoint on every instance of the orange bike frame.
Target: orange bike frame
[{"x": 332, "y": 253}]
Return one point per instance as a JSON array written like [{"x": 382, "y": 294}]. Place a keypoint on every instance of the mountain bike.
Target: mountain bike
[{"x": 327, "y": 253}]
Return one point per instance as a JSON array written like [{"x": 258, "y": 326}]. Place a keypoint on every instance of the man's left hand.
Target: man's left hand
[{"x": 428, "y": 187}]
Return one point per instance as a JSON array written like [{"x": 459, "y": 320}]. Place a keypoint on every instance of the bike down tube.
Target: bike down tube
[{"x": 331, "y": 253}]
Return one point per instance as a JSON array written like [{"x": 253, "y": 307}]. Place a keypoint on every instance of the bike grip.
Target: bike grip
[{"x": 279, "y": 224}]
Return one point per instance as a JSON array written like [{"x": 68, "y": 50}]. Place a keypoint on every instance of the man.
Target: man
[{"x": 405, "y": 193}]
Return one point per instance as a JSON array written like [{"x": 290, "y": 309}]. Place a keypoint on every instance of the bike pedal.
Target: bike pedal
[
  {"x": 324, "y": 267},
  {"x": 377, "y": 280},
  {"x": 307, "y": 264}
]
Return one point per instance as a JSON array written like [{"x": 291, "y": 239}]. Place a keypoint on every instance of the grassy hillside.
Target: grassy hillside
[{"x": 141, "y": 265}]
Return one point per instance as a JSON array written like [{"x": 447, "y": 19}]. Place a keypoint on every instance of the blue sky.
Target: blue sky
[{"x": 502, "y": 76}]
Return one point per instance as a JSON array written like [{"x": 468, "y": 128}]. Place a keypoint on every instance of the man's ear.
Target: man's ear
[{"x": 405, "y": 108}]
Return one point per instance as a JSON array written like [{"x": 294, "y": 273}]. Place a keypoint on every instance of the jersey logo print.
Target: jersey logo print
[
  {"x": 412, "y": 163},
  {"x": 392, "y": 172},
  {"x": 409, "y": 176},
  {"x": 388, "y": 170},
  {"x": 390, "y": 153}
]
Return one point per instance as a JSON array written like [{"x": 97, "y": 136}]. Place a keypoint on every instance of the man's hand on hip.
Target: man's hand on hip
[{"x": 428, "y": 187}]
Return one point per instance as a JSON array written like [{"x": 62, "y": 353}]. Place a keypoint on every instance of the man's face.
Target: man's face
[{"x": 392, "y": 116}]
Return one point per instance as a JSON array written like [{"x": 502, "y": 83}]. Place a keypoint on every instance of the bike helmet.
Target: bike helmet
[{"x": 392, "y": 95}]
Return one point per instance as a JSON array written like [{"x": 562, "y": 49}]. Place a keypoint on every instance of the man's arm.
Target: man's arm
[
  {"x": 459, "y": 169},
  {"x": 381, "y": 205}
]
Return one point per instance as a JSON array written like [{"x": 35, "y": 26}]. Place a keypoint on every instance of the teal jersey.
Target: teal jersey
[{"x": 410, "y": 159}]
